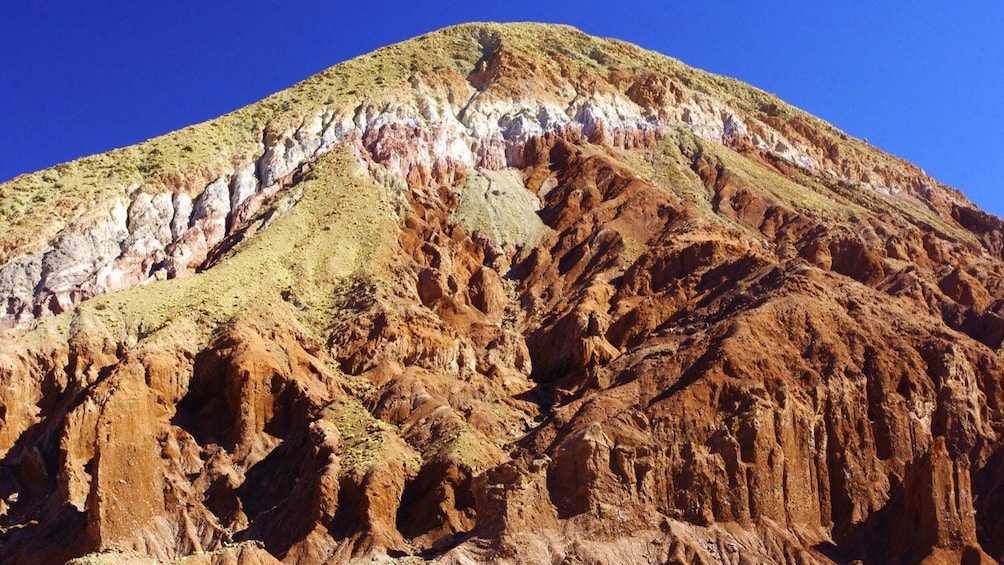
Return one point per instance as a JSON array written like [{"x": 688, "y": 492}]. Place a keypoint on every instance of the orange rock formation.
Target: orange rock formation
[{"x": 530, "y": 296}]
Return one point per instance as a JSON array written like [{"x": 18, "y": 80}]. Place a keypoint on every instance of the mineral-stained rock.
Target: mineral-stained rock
[{"x": 502, "y": 293}]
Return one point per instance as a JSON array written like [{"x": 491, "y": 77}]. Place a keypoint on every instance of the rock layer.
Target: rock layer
[{"x": 527, "y": 296}]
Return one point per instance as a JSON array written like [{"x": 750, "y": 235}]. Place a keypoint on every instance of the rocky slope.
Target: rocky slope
[{"x": 500, "y": 293}]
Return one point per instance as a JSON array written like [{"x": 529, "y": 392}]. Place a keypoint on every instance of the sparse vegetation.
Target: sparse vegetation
[
  {"x": 365, "y": 439},
  {"x": 34, "y": 207},
  {"x": 309, "y": 254}
]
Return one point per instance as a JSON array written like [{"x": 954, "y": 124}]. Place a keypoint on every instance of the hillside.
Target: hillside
[{"x": 502, "y": 292}]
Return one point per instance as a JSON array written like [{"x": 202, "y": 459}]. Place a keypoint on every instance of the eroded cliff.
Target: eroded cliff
[{"x": 507, "y": 293}]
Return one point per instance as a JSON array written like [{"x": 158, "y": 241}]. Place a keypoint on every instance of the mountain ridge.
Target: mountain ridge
[
  {"x": 277, "y": 100},
  {"x": 501, "y": 292},
  {"x": 292, "y": 109}
]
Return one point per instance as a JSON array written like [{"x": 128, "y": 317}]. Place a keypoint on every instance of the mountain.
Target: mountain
[{"x": 504, "y": 293}]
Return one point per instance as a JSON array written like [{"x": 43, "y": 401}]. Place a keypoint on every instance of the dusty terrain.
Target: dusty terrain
[{"x": 502, "y": 293}]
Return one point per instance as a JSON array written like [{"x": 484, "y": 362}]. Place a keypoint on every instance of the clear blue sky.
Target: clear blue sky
[{"x": 923, "y": 80}]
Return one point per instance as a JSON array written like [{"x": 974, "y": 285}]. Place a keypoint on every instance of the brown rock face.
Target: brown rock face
[{"x": 548, "y": 299}]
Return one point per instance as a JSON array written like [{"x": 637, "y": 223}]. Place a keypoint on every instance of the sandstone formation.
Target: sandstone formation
[{"x": 500, "y": 293}]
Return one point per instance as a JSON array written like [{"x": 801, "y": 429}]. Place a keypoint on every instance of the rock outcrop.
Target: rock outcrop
[{"x": 502, "y": 293}]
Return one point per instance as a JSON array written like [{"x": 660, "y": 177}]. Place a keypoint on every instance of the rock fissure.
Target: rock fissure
[{"x": 510, "y": 293}]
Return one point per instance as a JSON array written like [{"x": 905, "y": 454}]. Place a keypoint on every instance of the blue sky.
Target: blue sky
[{"x": 921, "y": 80}]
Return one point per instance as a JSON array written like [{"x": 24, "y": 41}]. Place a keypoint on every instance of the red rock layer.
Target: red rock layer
[{"x": 710, "y": 355}]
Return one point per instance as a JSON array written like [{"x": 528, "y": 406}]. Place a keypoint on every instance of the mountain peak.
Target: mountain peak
[{"x": 500, "y": 292}]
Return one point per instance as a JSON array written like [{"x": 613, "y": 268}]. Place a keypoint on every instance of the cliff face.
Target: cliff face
[{"x": 501, "y": 292}]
